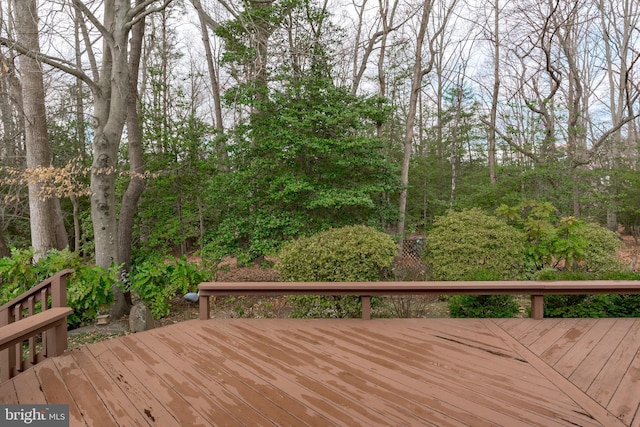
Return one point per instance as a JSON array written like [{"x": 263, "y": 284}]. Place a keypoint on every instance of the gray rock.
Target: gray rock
[
  {"x": 191, "y": 296},
  {"x": 140, "y": 318}
]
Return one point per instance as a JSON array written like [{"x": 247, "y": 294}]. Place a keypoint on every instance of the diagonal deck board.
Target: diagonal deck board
[{"x": 427, "y": 372}]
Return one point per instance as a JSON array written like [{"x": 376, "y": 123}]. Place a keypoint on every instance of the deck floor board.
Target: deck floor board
[{"x": 338, "y": 372}]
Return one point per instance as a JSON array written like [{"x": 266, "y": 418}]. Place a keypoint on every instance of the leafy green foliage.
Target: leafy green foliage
[
  {"x": 157, "y": 280},
  {"x": 491, "y": 306},
  {"x": 17, "y": 274},
  {"x": 463, "y": 243},
  {"x": 306, "y": 158},
  {"x": 565, "y": 242},
  {"x": 347, "y": 254},
  {"x": 306, "y": 166},
  {"x": 599, "y": 252},
  {"x": 88, "y": 289},
  {"x": 591, "y": 305}
]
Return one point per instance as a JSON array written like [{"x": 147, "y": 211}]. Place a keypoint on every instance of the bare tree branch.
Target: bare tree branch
[{"x": 57, "y": 63}]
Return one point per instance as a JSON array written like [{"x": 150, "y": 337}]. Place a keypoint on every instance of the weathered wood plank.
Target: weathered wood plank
[
  {"x": 626, "y": 400},
  {"x": 136, "y": 391},
  {"x": 322, "y": 380},
  {"x": 590, "y": 407},
  {"x": 472, "y": 396},
  {"x": 597, "y": 359},
  {"x": 608, "y": 379},
  {"x": 175, "y": 404},
  {"x": 297, "y": 394},
  {"x": 180, "y": 376},
  {"x": 564, "y": 344},
  {"x": 28, "y": 389},
  {"x": 83, "y": 393},
  {"x": 8, "y": 392},
  {"x": 244, "y": 403},
  {"x": 551, "y": 336},
  {"x": 114, "y": 398},
  {"x": 568, "y": 363},
  {"x": 55, "y": 390},
  {"x": 319, "y": 372}
]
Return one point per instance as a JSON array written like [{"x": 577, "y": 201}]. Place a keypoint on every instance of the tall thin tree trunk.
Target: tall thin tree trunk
[
  {"x": 136, "y": 167},
  {"x": 416, "y": 86},
  {"x": 213, "y": 76},
  {"x": 4, "y": 248},
  {"x": 41, "y": 207},
  {"x": 62, "y": 237},
  {"x": 491, "y": 150}
]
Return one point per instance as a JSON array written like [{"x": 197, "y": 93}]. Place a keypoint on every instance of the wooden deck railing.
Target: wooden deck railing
[
  {"x": 42, "y": 309},
  {"x": 537, "y": 290}
]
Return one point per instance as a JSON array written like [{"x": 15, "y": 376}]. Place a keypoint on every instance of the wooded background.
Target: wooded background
[{"x": 136, "y": 127}]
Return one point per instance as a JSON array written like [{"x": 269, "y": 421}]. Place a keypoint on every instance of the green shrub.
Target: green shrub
[
  {"x": 348, "y": 254},
  {"x": 562, "y": 243},
  {"x": 88, "y": 289},
  {"x": 490, "y": 306},
  {"x": 471, "y": 245},
  {"x": 604, "y": 305},
  {"x": 462, "y": 243},
  {"x": 599, "y": 255},
  {"x": 157, "y": 281}
]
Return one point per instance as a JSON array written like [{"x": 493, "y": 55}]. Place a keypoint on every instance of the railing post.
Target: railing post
[
  {"x": 537, "y": 307},
  {"x": 366, "y": 307},
  {"x": 56, "y": 339},
  {"x": 58, "y": 291},
  {"x": 204, "y": 307},
  {"x": 7, "y": 356}
]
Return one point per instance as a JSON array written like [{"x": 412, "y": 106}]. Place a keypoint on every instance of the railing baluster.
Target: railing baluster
[
  {"x": 44, "y": 298},
  {"x": 31, "y": 357},
  {"x": 7, "y": 357},
  {"x": 18, "y": 366},
  {"x": 50, "y": 293}
]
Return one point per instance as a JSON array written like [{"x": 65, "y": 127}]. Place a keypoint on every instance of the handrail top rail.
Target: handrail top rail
[
  {"x": 45, "y": 283},
  {"x": 542, "y": 287}
]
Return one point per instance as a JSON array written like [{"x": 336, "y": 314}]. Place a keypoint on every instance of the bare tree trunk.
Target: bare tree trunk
[
  {"x": 41, "y": 207},
  {"x": 136, "y": 166},
  {"x": 62, "y": 237},
  {"x": 76, "y": 223},
  {"x": 420, "y": 70},
  {"x": 4, "y": 248},
  {"x": 416, "y": 85},
  {"x": 205, "y": 23},
  {"x": 491, "y": 149}
]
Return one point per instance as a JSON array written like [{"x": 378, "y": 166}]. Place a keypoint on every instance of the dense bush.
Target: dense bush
[
  {"x": 565, "y": 243},
  {"x": 599, "y": 253},
  {"x": 491, "y": 306},
  {"x": 471, "y": 245},
  {"x": 590, "y": 305},
  {"x": 463, "y": 243},
  {"x": 88, "y": 289},
  {"x": 348, "y": 254},
  {"x": 156, "y": 280}
]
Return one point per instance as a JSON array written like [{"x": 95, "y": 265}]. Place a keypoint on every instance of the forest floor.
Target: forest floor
[{"x": 279, "y": 307}]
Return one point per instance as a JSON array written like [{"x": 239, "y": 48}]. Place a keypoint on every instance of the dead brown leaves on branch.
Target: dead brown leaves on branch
[{"x": 70, "y": 180}]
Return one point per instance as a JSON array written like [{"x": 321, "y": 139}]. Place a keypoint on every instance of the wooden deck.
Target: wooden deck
[{"x": 387, "y": 372}]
